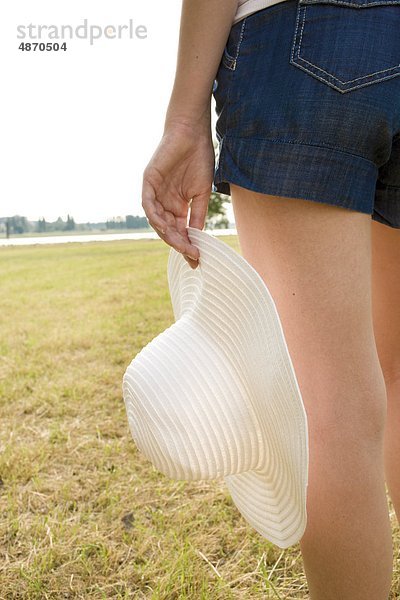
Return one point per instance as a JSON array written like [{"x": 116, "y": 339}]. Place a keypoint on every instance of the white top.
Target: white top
[{"x": 247, "y": 7}]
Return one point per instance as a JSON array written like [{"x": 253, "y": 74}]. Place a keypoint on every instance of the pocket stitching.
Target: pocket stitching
[
  {"x": 330, "y": 74},
  {"x": 297, "y": 45},
  {"x": 228, "y": 60}
]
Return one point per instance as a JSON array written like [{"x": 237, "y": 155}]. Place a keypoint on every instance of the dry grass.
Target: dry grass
[{"x": 83, "y": 515}]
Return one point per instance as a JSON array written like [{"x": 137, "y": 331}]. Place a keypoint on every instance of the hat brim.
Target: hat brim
[{"x": 233, "y": 303}]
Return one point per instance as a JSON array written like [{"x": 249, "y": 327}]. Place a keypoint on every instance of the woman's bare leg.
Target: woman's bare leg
[
  {"x": 386, "y": 316},
  {"x": 316, "y": 262}
]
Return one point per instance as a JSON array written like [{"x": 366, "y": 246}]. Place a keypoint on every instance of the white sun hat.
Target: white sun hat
[{"x": 215, "y": 394}]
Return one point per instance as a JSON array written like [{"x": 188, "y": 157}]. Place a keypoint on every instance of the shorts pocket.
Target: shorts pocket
[
  {"x": 347, "y": 44},
  {"x": 232, "y": 47}
]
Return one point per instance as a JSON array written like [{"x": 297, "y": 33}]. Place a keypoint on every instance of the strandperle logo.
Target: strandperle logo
[{"x": 84, "y": 31}]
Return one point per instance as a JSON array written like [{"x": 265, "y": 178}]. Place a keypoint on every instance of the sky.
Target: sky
[{"x": 79, "y": 126}]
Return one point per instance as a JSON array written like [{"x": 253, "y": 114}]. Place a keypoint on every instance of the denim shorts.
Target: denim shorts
[{"x": 307, "y": 99}]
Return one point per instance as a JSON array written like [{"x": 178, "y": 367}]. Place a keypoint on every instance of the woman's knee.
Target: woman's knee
[{"x": 345, "y": 405}]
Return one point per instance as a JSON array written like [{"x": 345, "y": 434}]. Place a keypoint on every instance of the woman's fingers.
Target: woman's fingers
[
  {"x": 180, "y": 241},
  {"x": 170, "y": 227},
  {"x": 198, "y": 210},
  {"x": 159, "y": 231},
  {"x": 150, "y": 204}
]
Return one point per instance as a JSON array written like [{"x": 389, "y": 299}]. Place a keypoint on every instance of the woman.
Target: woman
[{"x": 307, "y": 97}]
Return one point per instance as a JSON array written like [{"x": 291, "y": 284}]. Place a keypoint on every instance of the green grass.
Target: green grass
[{"x": 82, "y": 513}]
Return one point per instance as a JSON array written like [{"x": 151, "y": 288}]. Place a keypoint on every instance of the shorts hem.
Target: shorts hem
[
  {"x": 376, "y": 216},
  {"x": 296, "y": 170},
  {"x": 387, "y": 206}
]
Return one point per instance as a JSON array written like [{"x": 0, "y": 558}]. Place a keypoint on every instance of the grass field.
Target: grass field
[{"x": 83, "y": 514}]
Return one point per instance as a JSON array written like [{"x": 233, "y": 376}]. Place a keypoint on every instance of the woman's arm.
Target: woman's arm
[
  {"x": 181, "y": 170},
  {"x": 205, "y": 26}
]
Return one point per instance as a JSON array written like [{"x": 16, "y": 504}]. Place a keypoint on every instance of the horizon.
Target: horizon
[{"x": 35, "y": 220}]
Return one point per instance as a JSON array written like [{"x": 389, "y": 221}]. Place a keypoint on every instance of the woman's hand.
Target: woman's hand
[
  {"x": 179, "y": 175},
  {"x": 181, "y": 170}
]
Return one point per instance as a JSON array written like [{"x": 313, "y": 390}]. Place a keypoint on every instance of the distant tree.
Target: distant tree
[
  {"x": 41, "y": 225},
  {"x": 59, "y": 225},
  {"x": 142, "y": 222},
  {"x": 70, "y": 224},
  {"x": 116, "y": 223},
  {"x": 18, "y": 224},
  {"x": 216, "y": 213},
  {"x": 134, "y": 222},
  {"x": 130, "y": 222}
]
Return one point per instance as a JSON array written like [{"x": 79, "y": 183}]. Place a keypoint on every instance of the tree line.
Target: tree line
[{"x": 17, "y": 224}]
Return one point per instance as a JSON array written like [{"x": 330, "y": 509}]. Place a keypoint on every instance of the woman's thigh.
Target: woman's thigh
[
  {"x": 316, "y": 261},
  {"x": 386, "y": 297}
]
